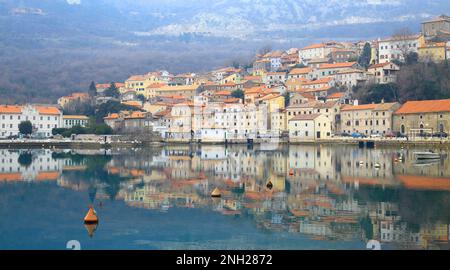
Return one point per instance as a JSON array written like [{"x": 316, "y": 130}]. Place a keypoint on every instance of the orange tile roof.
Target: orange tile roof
[
  {"x": 320, "y": 89},
  {"x": 47, "y": 110},
  {"x": 156, "y": 85},
  {"x": 232, "y": 100},
  {"x": 359, "y": 107},
  {"x": 314, "y": 46},
  {"x": 223, "y": 93},
  {"x": 303, "y": 117},
  {"x": 425, "y": 106},
  {"x": 336, "y": 95},
  {"x": 132, "y": 103},
  {"x": 135, "y": 115},
  {"x": 319, "y": 81},
  {"x": 10, "y": 109},
  {"x": 112, "y": 116},
  {"x": 337, "y": 65},
  {"x": 298, "y": 71}
]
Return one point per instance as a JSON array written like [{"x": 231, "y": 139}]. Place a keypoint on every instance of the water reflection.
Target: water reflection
[{"x": 327, "y": 193}]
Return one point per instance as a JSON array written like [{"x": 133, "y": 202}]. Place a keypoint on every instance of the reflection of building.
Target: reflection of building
[{"x": 326, "y": 193}]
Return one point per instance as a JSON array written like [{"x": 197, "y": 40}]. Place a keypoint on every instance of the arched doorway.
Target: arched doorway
[{"x": 402, "y": 129}]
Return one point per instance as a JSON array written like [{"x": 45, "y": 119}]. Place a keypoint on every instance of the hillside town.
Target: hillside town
[{"x": 298, "y": 95}]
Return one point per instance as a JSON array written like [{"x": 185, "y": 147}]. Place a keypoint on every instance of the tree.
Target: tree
[
  {"x": 92, "y": 90},
  {"x": 265, "y": 49},
  {"x": 287, "y": 99},
  {"x": 26, "y": 128},
  {"x": 112, "y": 91},
  {"x": 238, "y": 94},
  {"x": 376, "y": 93},
  {"x": 412, "y": 58},
  {"x": 403, "y": 37},
  {"x": 25, "y": 159},
  {"x": 141, "y": 97},
  {"x": 366, "y": 55}
]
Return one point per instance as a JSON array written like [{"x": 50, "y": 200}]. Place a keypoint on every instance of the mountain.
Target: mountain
[{"x": 51, "y": 47}]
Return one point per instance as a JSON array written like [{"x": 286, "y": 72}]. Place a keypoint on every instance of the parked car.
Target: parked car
[
  {"x": 440, "y": 135},
  {"x": 343, "y": 134},
  {"x": 390, "y": 135},
  {"x": 357, "y": 135}
]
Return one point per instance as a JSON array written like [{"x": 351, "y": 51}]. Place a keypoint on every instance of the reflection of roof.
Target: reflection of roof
[
  {"x": 10, "y": 177},
  {"x": 424, "y": 182},
  {"x": 42, "y": 176},
  {"x": 425, "y": 106}
]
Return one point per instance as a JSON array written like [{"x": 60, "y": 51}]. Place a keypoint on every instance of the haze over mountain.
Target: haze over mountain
[{"x": 50, "y": 47}]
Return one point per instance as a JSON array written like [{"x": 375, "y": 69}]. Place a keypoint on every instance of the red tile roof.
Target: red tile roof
[
  {"x": 337, "y": 65},
  {"x": 425, "y": 106}
]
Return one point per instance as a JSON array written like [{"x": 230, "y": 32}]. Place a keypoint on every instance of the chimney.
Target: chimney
[
  {"x": 355, "y": 102},
  {"x": 382, "y": 101}
]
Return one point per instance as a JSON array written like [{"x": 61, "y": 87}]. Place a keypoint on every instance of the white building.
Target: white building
[
  {"x": 70, "y": 121},
  {"x": 43, "y": 118},
  {"x": 309, "y": 127},
  {"x": 350, "y": 77},
  {"x": 395, "y": 48}
]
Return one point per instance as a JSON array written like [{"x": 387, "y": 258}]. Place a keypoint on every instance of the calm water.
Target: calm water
[{"x": 322, "y": 197}]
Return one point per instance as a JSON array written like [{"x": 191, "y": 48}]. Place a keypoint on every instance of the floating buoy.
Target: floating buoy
[
  {"x": 91, "y": 216},
  {"x": 269, "y": 185},
  {"x": 216, "y": 193}
]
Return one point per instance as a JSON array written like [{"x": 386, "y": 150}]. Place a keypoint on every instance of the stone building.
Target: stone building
[{"x": 428, "y": 116}]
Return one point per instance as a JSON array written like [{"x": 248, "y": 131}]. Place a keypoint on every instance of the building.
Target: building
[
  {"x": 383, "y": 73},
  {"x": 309, "y": 127},
  {"x": 274, "y": 78},
  {"x": 396, "y": 48},
  {"x": 188, "y": 91},
  {"x": 368, "y": 119},
  {"x": 436, "y": 26},
  {"x": 300, "y": 73},
  {"x": 433, "y": 51},
  {"x": 330, "y": 109},
  {"x": 43, "y": 118},
  {"x": 70, "y": 121},
  {"x": 428, "y": 116},
  {"x": 327, "y": 70},
  {"x": 343, "y": 55},
  {"x": 130, "y": 121},
  {"x": 315, "y": 51},
  {"x": 74, "y": 97},
  {"x": 139, "y": 83},
  {"x": 350, "y": 77}
]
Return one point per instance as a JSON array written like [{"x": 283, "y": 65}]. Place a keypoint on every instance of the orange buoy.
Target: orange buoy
[
  {"x": 216, "y": 193},
  {"x": 91, "y": 216},
  {"x": 291, "y": 172}
]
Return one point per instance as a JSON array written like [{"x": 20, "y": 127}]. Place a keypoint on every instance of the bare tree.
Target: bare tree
[{"x": 404, "y": 36}]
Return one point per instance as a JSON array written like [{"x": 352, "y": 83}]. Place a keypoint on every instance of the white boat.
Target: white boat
[{"x": 427, "y": 155}]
